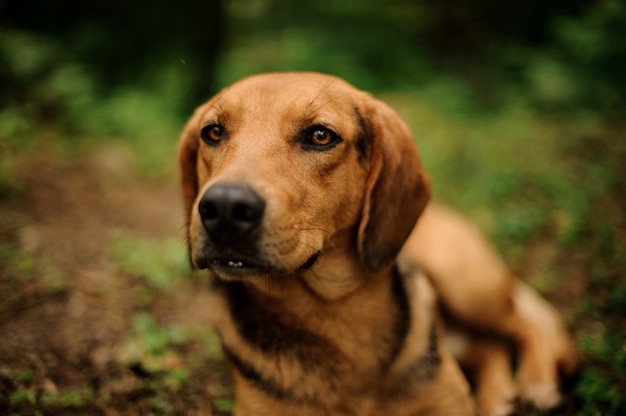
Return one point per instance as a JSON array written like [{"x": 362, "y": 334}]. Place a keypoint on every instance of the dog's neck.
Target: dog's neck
[
  {"x": 331, "y": 345},
  {"x": 308, "y": 300}
]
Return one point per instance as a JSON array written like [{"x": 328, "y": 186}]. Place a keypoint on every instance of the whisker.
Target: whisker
[
  {"x": 217, "y": 102},
  {"x": 328, "y": 102},
  {"x": 220, "y": 101},
  {"x": 318, "y": 95}
]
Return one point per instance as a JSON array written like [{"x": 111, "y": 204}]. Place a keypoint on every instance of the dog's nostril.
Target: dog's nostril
[
  {"x": 247, "y": 212},
  {"x": 208, "y": 211}
]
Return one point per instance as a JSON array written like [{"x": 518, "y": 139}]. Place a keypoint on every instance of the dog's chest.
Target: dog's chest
[
  {"x": 339, "y": 356},
  {"x": 317, "y": 367}
]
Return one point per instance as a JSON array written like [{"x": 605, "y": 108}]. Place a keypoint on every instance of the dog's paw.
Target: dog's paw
[
  {"x": 497, "y": 400},
  {"x": 542, "y": 396},
  {"x": 505, "y": 407}
]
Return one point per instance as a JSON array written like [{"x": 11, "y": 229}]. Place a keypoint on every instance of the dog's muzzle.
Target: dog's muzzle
[{"x": 231, "y": 214}]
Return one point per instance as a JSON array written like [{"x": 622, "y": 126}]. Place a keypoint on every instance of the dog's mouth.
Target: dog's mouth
[
  {"x": 230, "y": 268},
  {"x": 235, "y": 265},
  {"x": 237, "y": 268}
]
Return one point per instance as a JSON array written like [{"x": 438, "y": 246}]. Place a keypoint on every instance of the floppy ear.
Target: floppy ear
[
  {"x": 397, "y": 189},
  {"x": 188, "y": 157}
]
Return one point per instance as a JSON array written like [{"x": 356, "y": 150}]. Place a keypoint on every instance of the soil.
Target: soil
[{"x": 62, "y": 328}]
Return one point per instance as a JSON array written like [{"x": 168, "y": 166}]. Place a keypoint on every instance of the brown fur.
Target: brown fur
[{"x": 323, "y": 307}]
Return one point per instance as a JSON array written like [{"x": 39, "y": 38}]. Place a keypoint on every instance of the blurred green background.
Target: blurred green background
[{"x": 518, "y": 110}]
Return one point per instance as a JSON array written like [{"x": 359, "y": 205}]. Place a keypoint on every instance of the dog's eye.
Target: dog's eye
[
  {"x": 212, "y": 133},
  {"x": 320, "y": 137}
]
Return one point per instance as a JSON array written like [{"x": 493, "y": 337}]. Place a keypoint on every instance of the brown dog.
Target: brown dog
[{"x": 303, "y": 194}]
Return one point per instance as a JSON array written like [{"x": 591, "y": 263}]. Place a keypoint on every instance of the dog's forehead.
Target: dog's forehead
[
  {"x": 304, "y": 85},
  {"x": 298, "y": 95}
]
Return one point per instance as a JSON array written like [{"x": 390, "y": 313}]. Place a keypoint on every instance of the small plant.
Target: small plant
[
  {"x": 152, "y": 349},
  {"x": 224, "y": 404},
  {"x": 69, "y": 399},
  {"x": 160, "y": 264}
]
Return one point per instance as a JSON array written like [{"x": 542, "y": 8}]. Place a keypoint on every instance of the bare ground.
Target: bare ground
[{"x": 66, "y": 306}]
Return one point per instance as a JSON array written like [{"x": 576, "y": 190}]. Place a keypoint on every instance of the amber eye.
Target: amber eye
[
  {"x": 212, "y": 134},
  {"x": 320, "y": 138}
]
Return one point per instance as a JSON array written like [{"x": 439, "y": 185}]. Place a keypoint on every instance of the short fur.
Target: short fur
[{"x": 327, "y": 306}]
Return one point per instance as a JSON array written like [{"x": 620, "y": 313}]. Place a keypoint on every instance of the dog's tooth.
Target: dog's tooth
[{"x": 235, "y": 264}]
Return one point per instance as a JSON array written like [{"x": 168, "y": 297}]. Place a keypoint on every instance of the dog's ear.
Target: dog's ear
[
  {"x": 188, "y": 158},
  {"x": 397, "y": 189}
]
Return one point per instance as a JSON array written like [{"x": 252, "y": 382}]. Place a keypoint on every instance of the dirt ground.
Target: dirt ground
[{"x": 66, "y": 305}]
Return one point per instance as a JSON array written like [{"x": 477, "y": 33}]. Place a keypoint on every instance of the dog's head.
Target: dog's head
[{"x": 297, "y": 173}]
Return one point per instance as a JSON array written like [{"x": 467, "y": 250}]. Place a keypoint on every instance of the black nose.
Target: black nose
[{"x": 229, "y": 211}]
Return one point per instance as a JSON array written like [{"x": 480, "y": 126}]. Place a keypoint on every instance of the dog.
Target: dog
[{"x": 303, "y": 196}]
